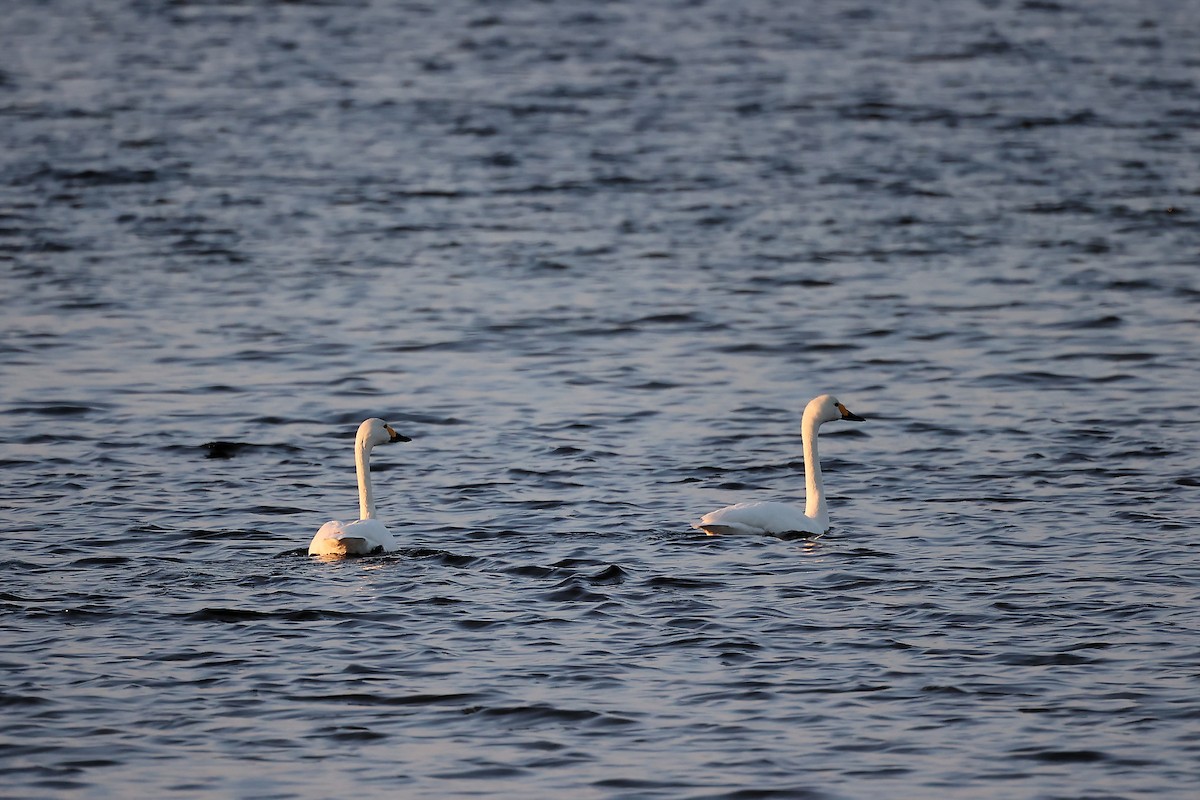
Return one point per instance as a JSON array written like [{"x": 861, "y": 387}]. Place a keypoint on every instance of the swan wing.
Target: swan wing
[
  {"x": 758, "y": 518},
  {"x": 359, "y": 538}
]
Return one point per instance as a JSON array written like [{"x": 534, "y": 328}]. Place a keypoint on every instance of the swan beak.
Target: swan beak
[
  {"x": 847, "y": 414},
  {"x": 396, "y": 437}
]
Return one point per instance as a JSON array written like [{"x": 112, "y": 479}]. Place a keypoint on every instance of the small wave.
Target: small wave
[
  {"x": 1044, "y": 659},
  {"x": 235, "y": 615},
  {"x": 56, "y": 409},
  {"x": 113, "y": 176},
  {"x": 612, "y": 575},
  {"x": 21, "y": 700},
  {"x": 350, "y": 733},
  {"x": 544, "y": 713},
  {"x": 224, "y": 450},
  {"x": 676, "y": 582},
  {"x": 573, "y": 590},
  {"x": 1103, "y": 322},
  {"x": 1062, "y": 756},
  {"x": 367, "y": 699}
]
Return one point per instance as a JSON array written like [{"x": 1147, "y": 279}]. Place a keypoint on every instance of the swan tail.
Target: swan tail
[
  {"x": 344, "y": 546},
  {"x": 338, "y": 539}
]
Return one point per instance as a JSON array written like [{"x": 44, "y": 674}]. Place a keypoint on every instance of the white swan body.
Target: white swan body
[
  {"x": 782, "y": 518},
  {"x": 359, "y": 538},
  {"x": 367, "y": 534}
]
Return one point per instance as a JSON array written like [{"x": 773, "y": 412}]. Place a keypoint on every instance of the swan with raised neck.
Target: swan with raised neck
[
  {"x": 783, "y": 518},
  {"x": 366, "y": 534}
]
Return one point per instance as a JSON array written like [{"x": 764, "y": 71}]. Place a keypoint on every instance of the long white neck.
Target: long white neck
[
  {"x": 814, "y": 487},
  {"x": 362, "y": 465}
]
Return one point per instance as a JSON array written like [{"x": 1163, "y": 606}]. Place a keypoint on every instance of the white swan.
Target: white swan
[
  {"x": 368, "y": 534},
  {"x": 780, "y": 518}
]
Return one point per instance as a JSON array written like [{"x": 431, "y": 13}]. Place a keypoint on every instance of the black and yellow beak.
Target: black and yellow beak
[
  {"x": 847, "y": 414},
  {"x": 396, "y": 437}
]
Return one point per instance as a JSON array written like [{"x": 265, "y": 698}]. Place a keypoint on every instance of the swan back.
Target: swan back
[
  {"x": 360, "y": 538},
  {"x": 759, "y": 518}
]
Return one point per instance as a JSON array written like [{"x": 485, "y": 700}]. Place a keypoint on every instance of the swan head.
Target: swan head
[
  {"x": 375, "y": 431},
  {"x": 826, "y": 408}
]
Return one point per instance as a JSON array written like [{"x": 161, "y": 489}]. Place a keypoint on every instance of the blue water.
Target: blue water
[{"x": 594, "y": 258}]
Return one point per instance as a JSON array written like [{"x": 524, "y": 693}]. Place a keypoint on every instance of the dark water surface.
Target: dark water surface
[{"x": 594, "y": 258}]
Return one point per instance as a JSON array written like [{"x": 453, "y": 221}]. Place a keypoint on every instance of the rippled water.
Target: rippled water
[{"x": 594, "y": 258}]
